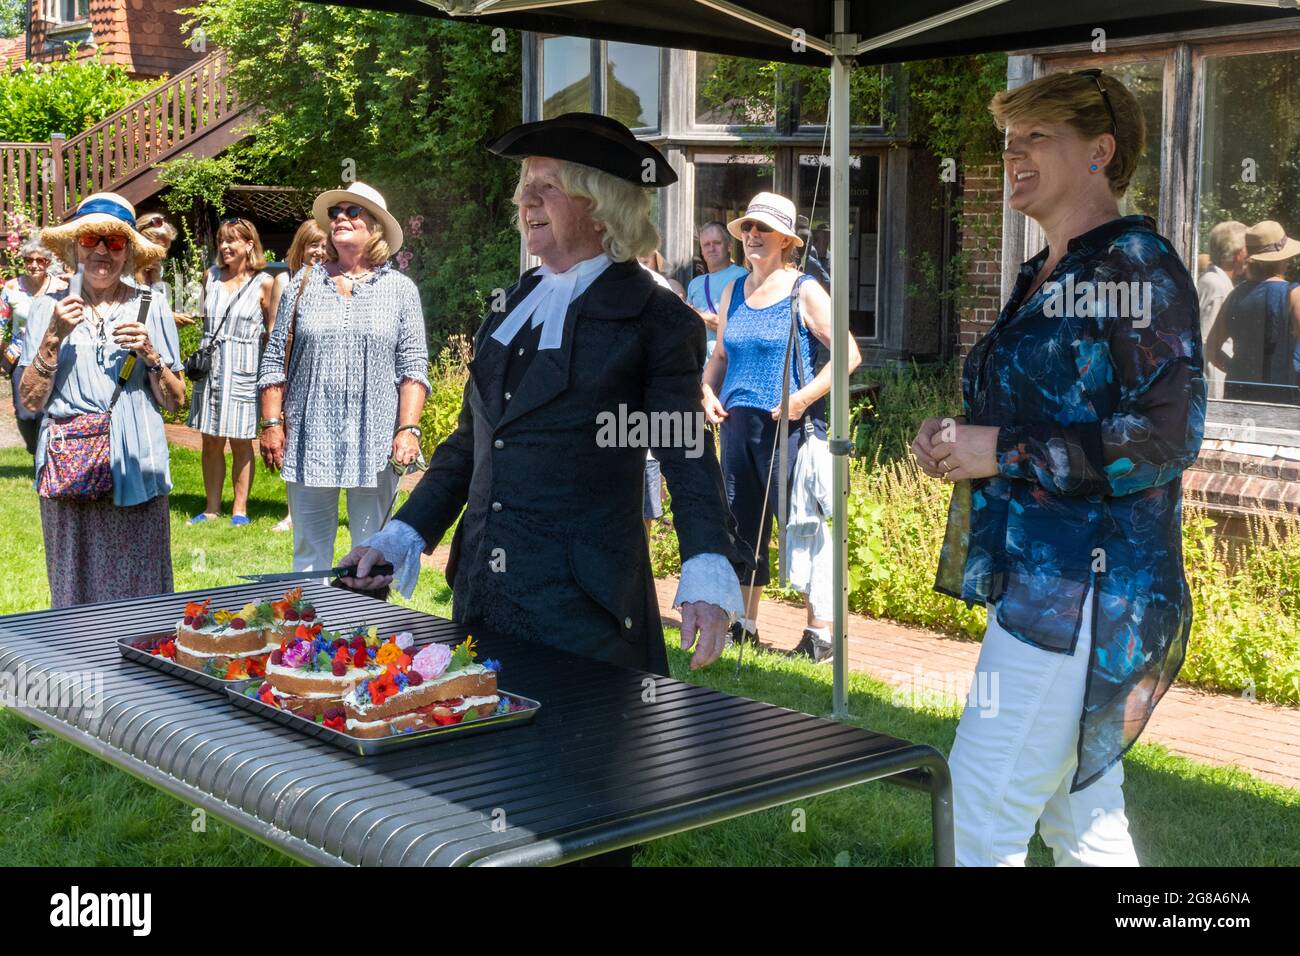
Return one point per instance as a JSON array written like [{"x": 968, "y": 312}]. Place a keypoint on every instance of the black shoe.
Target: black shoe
[
  {"x": 737, "y": 633},
  {"x": 814, "y": 648}
]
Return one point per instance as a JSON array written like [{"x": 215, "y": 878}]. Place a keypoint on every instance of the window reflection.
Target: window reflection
[
  {"x": 566, "y": 76},
  {"x": 632, "y": 84},
  {"x": 1250, "y": 173}
]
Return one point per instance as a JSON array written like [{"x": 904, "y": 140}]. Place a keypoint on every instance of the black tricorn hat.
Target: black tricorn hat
[{"x": 592, "y": 140}]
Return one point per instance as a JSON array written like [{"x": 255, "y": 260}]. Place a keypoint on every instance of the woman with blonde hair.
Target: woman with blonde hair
[
  {"x": 223, "y": 406},
  {"x": 344, "y": 376},
  {"x": 309, "y": 247},
  {"x": 155, "y": 227},
  {"x": 1081, "y": 410}
]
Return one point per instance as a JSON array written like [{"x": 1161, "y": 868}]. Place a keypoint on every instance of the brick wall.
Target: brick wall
[
  {"x": 981, "y": 243},
  {"x": 144, "y": 36}
]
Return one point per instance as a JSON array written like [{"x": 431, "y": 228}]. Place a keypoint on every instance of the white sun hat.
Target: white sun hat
[
  {"x": 771, "y": 209},
  {"x": 369, "y": 199}
]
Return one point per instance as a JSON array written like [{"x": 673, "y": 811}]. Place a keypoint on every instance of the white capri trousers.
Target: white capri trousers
[
  {"x": 1015, "y": 755},
  {"x": 316, "y": 518}
]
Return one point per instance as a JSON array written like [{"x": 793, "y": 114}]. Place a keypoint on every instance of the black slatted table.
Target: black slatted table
[{"x": 598, "y": 769}]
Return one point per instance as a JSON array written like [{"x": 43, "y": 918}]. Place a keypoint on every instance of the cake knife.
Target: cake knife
[{"x": 339, "y": 572}]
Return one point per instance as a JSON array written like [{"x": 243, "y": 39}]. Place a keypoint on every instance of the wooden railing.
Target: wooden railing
[{"x": 50, "y": 179}]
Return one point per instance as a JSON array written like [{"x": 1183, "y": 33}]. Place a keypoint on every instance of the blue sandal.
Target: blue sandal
[
  {"x": 238, "y": 521},
  {"x": 202, "y": 516}
]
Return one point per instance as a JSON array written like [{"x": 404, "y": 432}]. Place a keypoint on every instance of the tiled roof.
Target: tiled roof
[{"x": 13, "y": 50}]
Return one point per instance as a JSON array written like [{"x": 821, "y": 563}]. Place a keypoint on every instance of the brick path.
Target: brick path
[{"x": 1212, "y": 728}]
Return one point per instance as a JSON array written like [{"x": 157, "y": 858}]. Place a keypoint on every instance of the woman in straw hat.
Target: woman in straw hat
[
  {"x": 1083, "y": 404},
  {"x": 1261, "y": 317},
  {"x": 75, "y": 354},
  {"x": 743, "y": 390},
  {"x": 347, "y": 407}
]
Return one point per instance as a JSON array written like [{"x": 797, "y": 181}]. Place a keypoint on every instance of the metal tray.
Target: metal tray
[
  {"x": 366, "y": 746},
  {"x": 139, "y": 649}
]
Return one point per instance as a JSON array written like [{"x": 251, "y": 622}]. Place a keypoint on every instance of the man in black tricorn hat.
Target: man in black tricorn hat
[{"x": 587, "y": 363}]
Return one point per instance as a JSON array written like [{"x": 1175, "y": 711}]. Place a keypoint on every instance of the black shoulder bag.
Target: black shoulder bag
[{"x": 199, "y": 363}]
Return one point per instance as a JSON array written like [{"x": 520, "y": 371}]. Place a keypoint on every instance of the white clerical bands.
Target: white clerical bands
[{"x": 549, "y": 301}]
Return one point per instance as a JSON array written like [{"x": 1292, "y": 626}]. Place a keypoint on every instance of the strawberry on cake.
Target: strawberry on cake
[
  {"x": 310, "y": 672},
  {"x": 226, "y": 644},
  {"x": 435, "y": 687}
]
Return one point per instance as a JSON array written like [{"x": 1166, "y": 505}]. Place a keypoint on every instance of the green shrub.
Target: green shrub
[{"x": 65, "y": 96}]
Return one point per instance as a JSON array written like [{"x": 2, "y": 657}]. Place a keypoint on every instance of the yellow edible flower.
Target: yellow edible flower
[
  {"x": 248, "y": 611},
  {"x": 372, "y": 636},
  {"x": 222, "y": 617}
]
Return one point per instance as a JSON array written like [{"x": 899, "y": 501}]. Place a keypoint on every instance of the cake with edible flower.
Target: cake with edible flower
[
  {"x": 230, "y": 645},
  {"x": 310, "y": 672},
  {"x": 439, "y": 685},
  {"x": 292, "y": 611}
]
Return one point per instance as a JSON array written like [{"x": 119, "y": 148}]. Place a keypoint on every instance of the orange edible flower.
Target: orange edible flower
[{"x": 390, "y": 653}]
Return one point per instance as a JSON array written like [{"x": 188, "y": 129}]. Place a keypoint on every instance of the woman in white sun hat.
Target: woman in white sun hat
[
  {"x": 743, "y": 388},
  {"x": 349, "y": 401},
  {"x": 107, "y": 532}
]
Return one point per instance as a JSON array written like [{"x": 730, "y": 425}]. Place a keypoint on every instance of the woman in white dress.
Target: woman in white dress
[{"x": 223, "y": 407}]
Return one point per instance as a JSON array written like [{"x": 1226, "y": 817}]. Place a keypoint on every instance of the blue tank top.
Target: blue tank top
[{"x": 755, "y": 342}]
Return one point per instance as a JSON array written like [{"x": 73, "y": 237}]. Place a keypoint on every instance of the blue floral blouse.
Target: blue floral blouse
[{"x": 1096, "y": 385}]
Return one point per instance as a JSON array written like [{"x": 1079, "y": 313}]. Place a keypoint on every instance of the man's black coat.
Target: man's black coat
[{"x": 552, "y": 546}]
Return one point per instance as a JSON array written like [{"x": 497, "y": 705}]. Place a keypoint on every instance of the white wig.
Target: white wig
[{"x": 623, "y": 208}]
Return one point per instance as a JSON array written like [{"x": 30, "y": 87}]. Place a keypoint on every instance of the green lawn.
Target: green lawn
[{"x": 64, "y": 807}]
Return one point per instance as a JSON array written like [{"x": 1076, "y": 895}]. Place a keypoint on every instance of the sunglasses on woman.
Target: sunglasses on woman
[
  {"x": 352, "y": 212},
  {"x": 115, "y": 241},
  {"x": 35, "y": 261},
  {"x": 749, "y": 225}
]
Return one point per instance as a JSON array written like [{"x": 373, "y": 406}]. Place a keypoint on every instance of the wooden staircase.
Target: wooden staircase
[{"x": 194, "y": 112}]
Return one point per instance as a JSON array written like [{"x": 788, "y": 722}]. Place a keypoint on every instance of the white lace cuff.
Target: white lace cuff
[
  {"x": 711, "y": 578},
  {"x": 401, "y": 545}
]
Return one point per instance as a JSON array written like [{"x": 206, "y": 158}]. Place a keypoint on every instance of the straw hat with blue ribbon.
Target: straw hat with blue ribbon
[{"x": 101, "y": 214}]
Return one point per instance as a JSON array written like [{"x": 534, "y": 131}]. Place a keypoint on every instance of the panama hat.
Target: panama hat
[
  {"x": 101, "y": 213},
  {"x": 1267, "y": 241},
  {"x": 369, "y": 199},
  {"x": 591, "y": 140},
  {"x": 771, "y": 209}
]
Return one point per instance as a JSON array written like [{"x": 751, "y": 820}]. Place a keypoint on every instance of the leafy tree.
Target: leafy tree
[
  {"x": 66, "y": 96},
  {"x": 12, "y": 14},
  {"x": 403, "y": 103}
]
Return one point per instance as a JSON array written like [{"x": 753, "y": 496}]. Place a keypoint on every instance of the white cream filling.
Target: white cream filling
[
  {"x": 313, "y": 695},
  {"x": 373, "y": 670},
  {"x": 463, "y": 706},
  {"x": 265, "y": 650}
]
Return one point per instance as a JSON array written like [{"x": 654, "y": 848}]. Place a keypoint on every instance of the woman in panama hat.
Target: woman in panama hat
[
  {"x": 1262, "y": 318},
  {"x": 344, "y": 414},
  {"x": 75, "y": 355}
]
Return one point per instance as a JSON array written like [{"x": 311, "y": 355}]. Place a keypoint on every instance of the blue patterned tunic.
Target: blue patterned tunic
[{"x": 1100, "y": 410}]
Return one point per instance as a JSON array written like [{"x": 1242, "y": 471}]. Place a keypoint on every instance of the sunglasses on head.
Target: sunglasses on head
[
  {"x": 751, "y": 224},
  {"x": 351, "y": 211},
  {"x": 1095, "y": 75},
  {"x": 115, "y": 241}
]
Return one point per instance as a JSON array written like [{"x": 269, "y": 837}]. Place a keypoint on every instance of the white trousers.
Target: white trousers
[
  {"x": 316, "y": 518},
  {"x": 1015, "y": 756}
]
